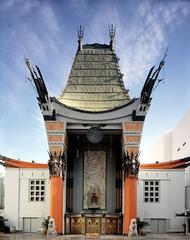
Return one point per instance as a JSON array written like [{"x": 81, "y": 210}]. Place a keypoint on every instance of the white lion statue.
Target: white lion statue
[
  {"x": 51, "y": 228},
  {"x": 133, "y": 228}
]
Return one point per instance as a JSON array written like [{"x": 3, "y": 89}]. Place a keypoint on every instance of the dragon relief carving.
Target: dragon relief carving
[
  {"x": 94, "y": 179},
  {"x": 130, "y": 164},
  {"x": 93, "y": 197},
  {"x": 57, "y": 164}
]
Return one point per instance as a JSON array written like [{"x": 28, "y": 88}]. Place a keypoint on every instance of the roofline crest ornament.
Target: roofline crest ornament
[
  {"x": 151, "y": 79},
  {"x": 112, "y": 31},
  {"x": 80, "y": 36}
]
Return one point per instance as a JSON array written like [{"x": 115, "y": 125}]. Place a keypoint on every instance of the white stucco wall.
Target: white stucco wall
[
  {"x": 17, "y": 204},
  {"x": 187, "y": 186},
  {"x": 172, "y": 197},
  {"x": 161, "y": 150},
  {"x": 172, "y": 145},
  {"x": 2, "y": 192},
  {"x": 181, "y": 138},
  {"x": 12, "y": 191},
  {"x": 187, "y": 176},
  {"x": 33, "y": 209}
]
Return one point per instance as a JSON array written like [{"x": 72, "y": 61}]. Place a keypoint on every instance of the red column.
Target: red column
[
  {"x": 131, "y": 141},
  {"x": 130, "y": 201},
  {"x": 57, "y": 139},
  {"x": 56, "y": 202}
]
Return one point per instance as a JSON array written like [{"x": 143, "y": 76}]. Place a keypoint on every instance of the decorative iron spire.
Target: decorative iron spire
[
  {"x": 150, "y": 81},
  {"x": 80, "y": 36},
  {"x": 38, "y": 81},
  {"x": 112, "y": 35}
]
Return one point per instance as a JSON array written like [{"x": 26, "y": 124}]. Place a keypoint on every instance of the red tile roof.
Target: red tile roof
[
  {"x": 181, "y": 163},
  {"x": 13, "y": 163}
]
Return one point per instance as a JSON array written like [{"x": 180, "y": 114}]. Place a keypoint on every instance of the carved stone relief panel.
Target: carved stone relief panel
[{"x": 94, "y": 179}]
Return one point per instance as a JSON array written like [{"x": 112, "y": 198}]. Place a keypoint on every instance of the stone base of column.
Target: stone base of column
[
  {"x": 56, "y": 202},
  {"x": 130, "y": 202}
]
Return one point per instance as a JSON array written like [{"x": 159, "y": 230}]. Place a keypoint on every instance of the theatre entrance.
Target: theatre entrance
[{"x": 94, "y": 184}]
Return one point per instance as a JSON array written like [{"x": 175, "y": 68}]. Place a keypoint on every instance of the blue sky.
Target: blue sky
[{"x": 46, "y": 32}]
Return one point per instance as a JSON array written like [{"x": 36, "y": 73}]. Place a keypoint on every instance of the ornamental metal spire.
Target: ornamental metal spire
[
  {"x": 112, "y": 35},
  {"x": 150, "y": 81},
  {"x": 38, "y": 81},
  {"x": 80, "y": 37}
]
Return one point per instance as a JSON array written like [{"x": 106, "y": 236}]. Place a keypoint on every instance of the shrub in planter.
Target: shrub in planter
[
  {"x": 140, "y": 226},
  {"x": 3, "y": 227},
  {"x": 45, "y": 225}
]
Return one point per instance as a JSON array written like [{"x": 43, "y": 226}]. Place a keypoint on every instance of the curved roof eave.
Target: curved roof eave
[{"x": 92, "y": 112}]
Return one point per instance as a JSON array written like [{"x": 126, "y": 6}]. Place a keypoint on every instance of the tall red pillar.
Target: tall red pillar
[
  {"x": 56, "y": 168},
  {"x": 56, "y": 132},
  {"x": 131, "y": 140},
  {"x": 130, "y": 202},
  {"x": 56, "y": 202}
]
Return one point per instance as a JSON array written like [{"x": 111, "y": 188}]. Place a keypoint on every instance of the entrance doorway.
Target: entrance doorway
[
  {"x": 158, "y": 225},
  {"x": 32, "y": 224},
  {"x": 94, "y": 184}
]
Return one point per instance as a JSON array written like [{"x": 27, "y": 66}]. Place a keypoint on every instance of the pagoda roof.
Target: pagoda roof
[{"x": 95, "y": 82}]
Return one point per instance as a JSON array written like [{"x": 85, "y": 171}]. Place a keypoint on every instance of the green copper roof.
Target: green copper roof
[{"x": 95, "y": 82}]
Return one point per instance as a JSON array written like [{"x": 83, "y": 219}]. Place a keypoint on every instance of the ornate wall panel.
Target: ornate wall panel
[
  {"x": 111, "y": 226},
  {"x": 77, "y": 225},
  {"x": 93, "y": 225},
  {"x": 94, "y": 179}
]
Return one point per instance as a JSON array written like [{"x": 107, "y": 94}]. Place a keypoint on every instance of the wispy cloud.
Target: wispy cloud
[
  {"x": 2, "y": 130},
  {"x": 33, "y": 30},
  {"x": 144, "y": 35},
  {"x": 40, "y": 132},
  {"x": 43, "y": 30},
  {"x": 79, "y": 5},
  {"x": 150, "y": 35},
  {"x": 49, "y": 18}
]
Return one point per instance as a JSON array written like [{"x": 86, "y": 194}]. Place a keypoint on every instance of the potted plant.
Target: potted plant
[
  {"x": 45, "y": 225},
  {"x": 3, "y": 228},
  {"x": 140, "y": 226}
]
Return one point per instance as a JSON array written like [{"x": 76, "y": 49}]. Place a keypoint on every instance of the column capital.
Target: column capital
[
  {"x": 130, "y": 164},
  {"x": 57, "y": 164}
]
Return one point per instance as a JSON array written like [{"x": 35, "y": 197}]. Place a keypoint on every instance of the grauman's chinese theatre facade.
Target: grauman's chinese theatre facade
[{"x": 94, "y": 130}]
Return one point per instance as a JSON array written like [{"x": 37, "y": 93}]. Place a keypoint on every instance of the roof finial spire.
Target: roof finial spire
[
  {"x": 80, "y": 36},
  {"x": 112, "y": 35}
]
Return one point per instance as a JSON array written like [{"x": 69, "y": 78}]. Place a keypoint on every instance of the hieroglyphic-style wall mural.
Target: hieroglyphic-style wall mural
[{"x": 94, "y": 179}]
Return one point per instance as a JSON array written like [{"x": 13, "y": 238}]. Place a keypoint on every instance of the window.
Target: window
[
  {"x": 152, "y": 191},
  {"x": 37, "y": 191}
]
